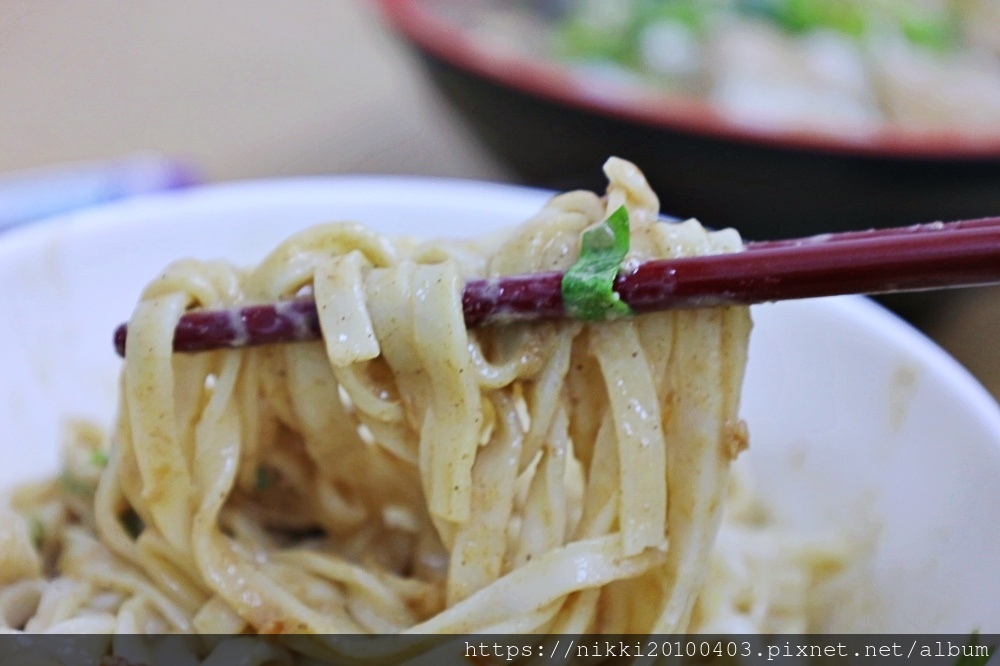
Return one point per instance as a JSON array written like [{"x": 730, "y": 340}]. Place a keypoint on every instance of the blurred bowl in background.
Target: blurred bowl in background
[{"x": 551, "y": 126}]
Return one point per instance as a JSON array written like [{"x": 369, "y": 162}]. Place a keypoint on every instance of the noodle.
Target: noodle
[{"x": 406, "y": 474}]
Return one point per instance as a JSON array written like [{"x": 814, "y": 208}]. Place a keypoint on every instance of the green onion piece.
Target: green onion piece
[
  {"x": 578, "y": 40},
  {"x": 938, "y": 33},
  {"x": 975, "y": 653},
  {"x": 692, "y": 14},
  {"x": 99, "y": 459},
  {"x": 583, "y": 37},
  {"x": 802, "y": 16},
  {"x": 588, "y": 286}
]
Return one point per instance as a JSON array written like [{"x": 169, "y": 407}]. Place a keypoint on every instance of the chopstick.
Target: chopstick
[
  {"x": 894, "y": 232},
  {"x": 916, "y": 258}
]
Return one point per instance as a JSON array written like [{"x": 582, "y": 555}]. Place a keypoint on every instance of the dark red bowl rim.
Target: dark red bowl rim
[{"x": 547, "y": 80}]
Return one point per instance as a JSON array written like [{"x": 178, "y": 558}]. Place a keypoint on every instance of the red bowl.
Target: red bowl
[{"x": 550, "y": 127}]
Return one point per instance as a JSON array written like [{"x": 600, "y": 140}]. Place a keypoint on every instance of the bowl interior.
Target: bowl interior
[{"x": 858, "y": 423}]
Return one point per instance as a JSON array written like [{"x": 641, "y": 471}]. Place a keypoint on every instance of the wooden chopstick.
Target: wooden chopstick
[
  {"x": 894, "y": 232},
  {"x": 916, "y": 258}
]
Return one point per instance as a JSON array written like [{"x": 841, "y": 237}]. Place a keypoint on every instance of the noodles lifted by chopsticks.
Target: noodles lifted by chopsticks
[{"x": 404, "y": 475}]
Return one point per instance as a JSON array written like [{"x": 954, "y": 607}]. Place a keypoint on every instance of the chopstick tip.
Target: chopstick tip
[{"x": 121, "y": 333}]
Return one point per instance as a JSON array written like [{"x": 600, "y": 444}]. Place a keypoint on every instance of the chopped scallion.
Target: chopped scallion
[{"x": 588, "y": 286}]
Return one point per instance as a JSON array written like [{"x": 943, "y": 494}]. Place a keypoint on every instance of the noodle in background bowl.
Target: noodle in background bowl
[{"x": 858, "y": 423}]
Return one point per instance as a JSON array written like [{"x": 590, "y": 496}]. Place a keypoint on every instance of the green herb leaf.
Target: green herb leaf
[
  {"x": 938, "y": 33},
  {"x": 802, "y": 16},
  {"x": 692, "y": 14},
  {"x": 975, "y": 654},
  {"x": 579, "y": 40},
  {"x": 99, "y": 459},
  {"x": 588, "y": 286}
]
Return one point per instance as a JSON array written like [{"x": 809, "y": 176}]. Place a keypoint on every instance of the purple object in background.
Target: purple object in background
[{"x": 26, "y": 196}]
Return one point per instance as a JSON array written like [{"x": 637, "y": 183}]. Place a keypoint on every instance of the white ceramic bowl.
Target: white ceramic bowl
[{"x": 856, "y": 419}]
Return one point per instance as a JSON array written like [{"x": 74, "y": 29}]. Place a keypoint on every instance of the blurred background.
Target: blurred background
[
  {"x": 240, "y": 88},
  {"x": 260, "y": 88}
]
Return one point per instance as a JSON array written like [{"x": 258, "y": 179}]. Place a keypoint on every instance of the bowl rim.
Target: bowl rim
[{"x": 434, "y": 35}]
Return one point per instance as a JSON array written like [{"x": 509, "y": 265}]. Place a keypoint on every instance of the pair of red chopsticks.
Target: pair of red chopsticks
[{"x": 928, "y": 256}]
